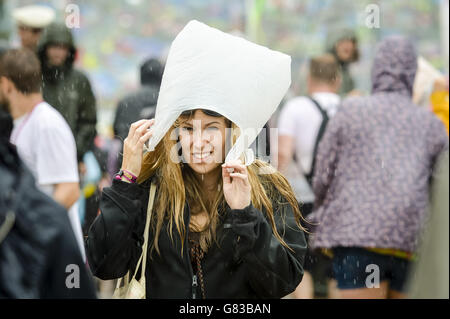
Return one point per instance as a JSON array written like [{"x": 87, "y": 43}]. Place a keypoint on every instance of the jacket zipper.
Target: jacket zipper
[
  {"x": 194, "y": 283},
  {"x": 194, "y": 287}
]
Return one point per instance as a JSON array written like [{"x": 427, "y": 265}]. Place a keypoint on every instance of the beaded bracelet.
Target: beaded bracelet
[{"x": 127, "y": 175}]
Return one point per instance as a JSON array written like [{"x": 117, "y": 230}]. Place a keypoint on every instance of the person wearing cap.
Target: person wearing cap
[
  {"x": 31, "y": 20},
  {"x": 222, "y": 224}
]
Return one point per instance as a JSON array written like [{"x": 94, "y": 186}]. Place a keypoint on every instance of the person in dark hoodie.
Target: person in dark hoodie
[
  {"x": 371, "y": 180},
  {"x": 65, "y": 88},
  {"x": 137, "y": 105},
  {"x": 343, "y": 44},
  {"x": 142, "y": 103},
  {"x": 39, "y": 255}
]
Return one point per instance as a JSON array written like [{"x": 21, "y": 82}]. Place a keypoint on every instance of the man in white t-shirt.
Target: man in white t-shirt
[
  {"x": 301, "y": 123},
  {"x": 43, "y": 139}
]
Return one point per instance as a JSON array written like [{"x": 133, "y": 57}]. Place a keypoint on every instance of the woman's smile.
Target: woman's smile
[{"x": 202, "y": 156}]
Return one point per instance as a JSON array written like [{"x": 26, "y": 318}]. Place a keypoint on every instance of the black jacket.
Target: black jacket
[
  {"x": 39, "y": 257},
  {"x": 248, "y": 263}
]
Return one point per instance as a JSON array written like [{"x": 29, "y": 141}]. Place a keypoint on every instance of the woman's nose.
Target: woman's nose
[{"x": 199, "y": 138}]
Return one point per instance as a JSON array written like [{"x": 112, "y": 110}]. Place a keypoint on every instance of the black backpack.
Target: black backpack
[{"x": 323, "y": 125}]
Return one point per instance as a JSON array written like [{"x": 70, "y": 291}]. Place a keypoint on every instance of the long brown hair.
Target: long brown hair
[{"x": 178, "y": 183}]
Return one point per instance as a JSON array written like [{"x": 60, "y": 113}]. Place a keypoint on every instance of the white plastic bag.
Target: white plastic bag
[{"x": 207, "y": 68}]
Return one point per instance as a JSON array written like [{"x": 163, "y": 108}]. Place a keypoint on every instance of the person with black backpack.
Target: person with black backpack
[{"x": 301, "y": 125}]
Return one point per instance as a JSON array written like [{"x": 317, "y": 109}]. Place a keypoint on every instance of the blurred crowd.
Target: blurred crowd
[{"x": 370, "y": 171}]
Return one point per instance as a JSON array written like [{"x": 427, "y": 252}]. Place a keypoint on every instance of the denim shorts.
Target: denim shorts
[{"x": 355, "y": 267}]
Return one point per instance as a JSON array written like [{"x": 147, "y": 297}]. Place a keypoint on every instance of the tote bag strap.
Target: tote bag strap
[{"x": 143, "y": 257}]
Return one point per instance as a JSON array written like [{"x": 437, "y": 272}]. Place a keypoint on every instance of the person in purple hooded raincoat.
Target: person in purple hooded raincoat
[{"x": 372, "y": 177}]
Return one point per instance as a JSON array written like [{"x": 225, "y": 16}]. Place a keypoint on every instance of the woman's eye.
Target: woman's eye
[
  {"x": 212, "y": 128},
  {"x": 187, "y": 129}
]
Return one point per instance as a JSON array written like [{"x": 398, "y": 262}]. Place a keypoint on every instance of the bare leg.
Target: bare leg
[
  {"x": 366, "y": 293},
  {"x": 333, "y": 291},
  {"x": 394, "y": 294},
  {"x": 305, "y": 290}
]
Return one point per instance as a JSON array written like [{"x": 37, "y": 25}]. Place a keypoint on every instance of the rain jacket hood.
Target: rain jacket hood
[
  {"x": 56, "y": 34},
  {"x": 395, "y": 66}
]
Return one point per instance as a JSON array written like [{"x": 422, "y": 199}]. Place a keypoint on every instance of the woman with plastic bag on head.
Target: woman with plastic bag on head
[{"x": 217, "y": 223}]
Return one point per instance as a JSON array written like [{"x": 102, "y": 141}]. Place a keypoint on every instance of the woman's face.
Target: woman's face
[
  {"x": 202, "y": 139},
  {"x": 345, "y": 50}
]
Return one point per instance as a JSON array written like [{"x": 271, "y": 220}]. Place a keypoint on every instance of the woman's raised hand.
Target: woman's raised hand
[
  {"x": 236, "y": 187},
  {"x": 133, "y": 145}
]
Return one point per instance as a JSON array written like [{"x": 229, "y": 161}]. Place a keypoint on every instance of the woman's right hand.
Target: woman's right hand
[{"x": 133, "y": 145}]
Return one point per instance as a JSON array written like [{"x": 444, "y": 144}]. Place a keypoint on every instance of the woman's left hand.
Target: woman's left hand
[{"x": 236, "y": 187}]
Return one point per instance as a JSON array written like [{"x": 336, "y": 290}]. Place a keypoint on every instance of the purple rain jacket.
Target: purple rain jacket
[{"x": 376, "y": 159}]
